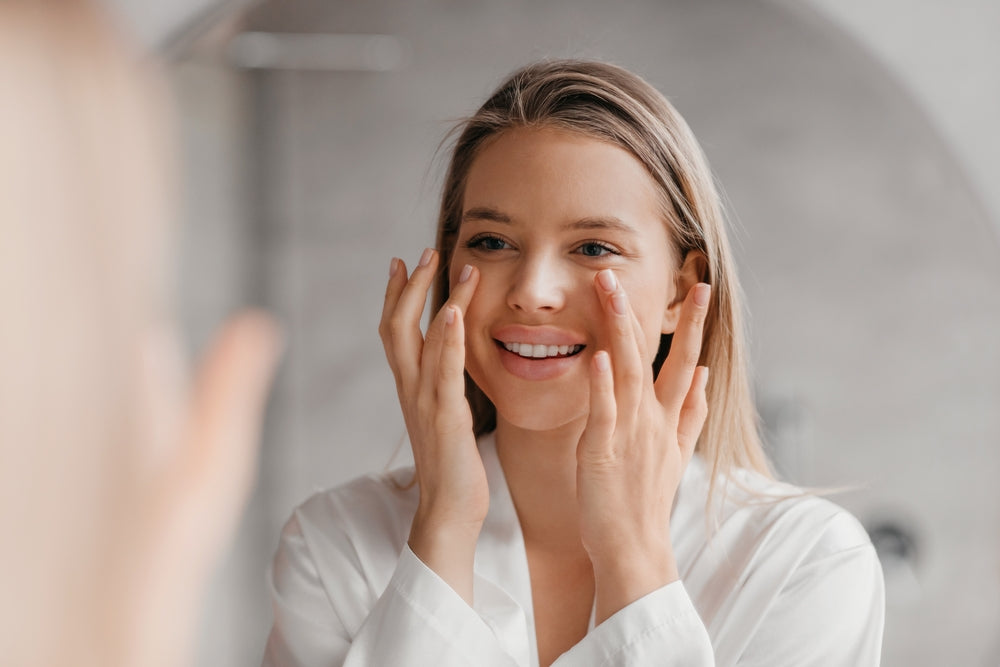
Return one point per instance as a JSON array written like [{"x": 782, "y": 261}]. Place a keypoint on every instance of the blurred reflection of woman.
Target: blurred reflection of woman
[
  {"x": 119, "y": 486},
  {"x": 586, "y": 493}
]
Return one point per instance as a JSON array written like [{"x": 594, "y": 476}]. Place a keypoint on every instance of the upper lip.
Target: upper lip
[{"x": 541, "y": 335}]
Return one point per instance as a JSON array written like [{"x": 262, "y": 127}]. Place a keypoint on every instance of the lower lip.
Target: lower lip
[{"x": 535, "y": 369}]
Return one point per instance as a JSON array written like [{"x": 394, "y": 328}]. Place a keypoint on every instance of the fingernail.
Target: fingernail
[
  {"x": 449, "y": 315},
  {"x": 619, "y": 304},
  {"x": 466, "y": 272},
  {"x": 425, "y": 259},
  {"x": 603, "y": 361},
  {"x": 702, "y": 293},
  {"x": 393, "y": 267},
  {"x": 608, "y": 280},
  {"x": 704, "y": 376}
]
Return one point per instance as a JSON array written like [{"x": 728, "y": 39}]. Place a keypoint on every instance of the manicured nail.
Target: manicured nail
[
  {"x": 393, "y": 267},
  {"x": 704, "y": 376},
  {"x": 449, "y": 315},
  {"x": 619, "y": 304},
  {"x": 603, "y": 361},
  {"x": 425, "y": 259},
  {"x": 702, "y": 293},
  {"x": 466, "y": 272},
  {"x": 608, "y": 280}
]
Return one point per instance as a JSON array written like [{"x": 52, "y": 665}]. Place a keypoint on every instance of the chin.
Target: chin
[{"x": 545, "y": 412}]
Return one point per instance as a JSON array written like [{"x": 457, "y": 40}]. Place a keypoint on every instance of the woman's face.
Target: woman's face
[{"x": 544, "y": 211}]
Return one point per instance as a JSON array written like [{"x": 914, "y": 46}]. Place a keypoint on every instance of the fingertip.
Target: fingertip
[
  {"x": 602, "y": 361},
  {"x": 702, "y": 294},
  {"x": 607, "y": 281},
  {"x": 427, "y": 256},
  {"x": 393, "y": 267},
  {"x": 450, "y": 315}
]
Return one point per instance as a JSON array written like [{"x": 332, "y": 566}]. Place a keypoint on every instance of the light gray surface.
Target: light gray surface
[{"x": 871, "y": 271}]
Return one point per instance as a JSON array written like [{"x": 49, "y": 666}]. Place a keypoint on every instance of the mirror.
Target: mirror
[{"x": 870, "y": 266}]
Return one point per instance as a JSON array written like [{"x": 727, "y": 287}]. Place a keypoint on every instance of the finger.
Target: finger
[
  {"x": 693, "y": 413},
  {"x": 437, "y": 338},
  {"x": 393, "y": 290},
  {"x": 405, "y": 341},
  {"x": 219, "y": 452},
  {"x": 675, "y": 377},
  {"x": 627, "y": 367},
  {"x": 595, "y": 443},
  {"x": 451, "y": 368},
  {"x": 464, "y": 287}
]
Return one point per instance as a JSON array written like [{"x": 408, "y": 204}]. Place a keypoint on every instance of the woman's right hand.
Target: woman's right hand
[{"x": 430, "y": 381}]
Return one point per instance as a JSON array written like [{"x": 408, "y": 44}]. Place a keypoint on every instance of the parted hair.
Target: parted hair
[{"x": 608, "y": 103}]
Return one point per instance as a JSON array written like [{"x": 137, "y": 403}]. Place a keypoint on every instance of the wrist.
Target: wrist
[
  {"x": 448, "y": 549},
  {"x": 630, "y": 575}
]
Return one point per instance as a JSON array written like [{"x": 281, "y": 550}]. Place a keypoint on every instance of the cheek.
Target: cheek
[
  {"x": 488, "y": 296},
  {"x": 649, "y": 306}
]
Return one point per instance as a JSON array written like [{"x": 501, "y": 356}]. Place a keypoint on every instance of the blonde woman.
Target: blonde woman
[
  {"x": 120, "y": 485},
  {"x": 589, "y": 487}
]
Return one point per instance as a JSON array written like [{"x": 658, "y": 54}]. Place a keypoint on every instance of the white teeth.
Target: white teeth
[{"x": 541, "y": 351}]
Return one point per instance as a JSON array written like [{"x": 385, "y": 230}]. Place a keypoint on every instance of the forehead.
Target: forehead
[{"x": 548, "y": 172}]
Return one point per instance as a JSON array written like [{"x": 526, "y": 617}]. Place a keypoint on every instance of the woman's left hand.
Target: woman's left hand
[{"x": 638, "y": 440}]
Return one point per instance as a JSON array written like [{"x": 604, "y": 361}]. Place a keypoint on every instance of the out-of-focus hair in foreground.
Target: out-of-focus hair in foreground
[{"x": 120, "y": 482}]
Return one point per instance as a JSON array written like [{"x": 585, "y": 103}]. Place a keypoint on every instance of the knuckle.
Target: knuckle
[
  {"x": 396, "y": 326},
  {"x": 434, "y": 334},
  {"x": 424, "y": 405},
  {"x": 599, "y": 459},
  {"x": 632, "y": 375},
  {"x": 690, "y": 358},
  {"x": 445, "y": 371}
]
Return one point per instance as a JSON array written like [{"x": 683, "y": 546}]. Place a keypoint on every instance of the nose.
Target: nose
[{"x": 537, "y": 286}]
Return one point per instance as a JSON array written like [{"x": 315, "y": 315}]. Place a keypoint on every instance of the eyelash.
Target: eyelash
[
  {"x": 478, "y": 241},
  {"x": 603, "y": 246}
]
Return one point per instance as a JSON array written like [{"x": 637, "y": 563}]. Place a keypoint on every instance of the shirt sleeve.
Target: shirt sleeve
[
  {"x": 419, "y": 620},
  {"x": 661, "y": 629}
]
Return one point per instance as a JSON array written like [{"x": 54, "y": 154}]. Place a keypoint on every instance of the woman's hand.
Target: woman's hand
[
  {"x": 638, "y": 440},
  {"x": 430, "y": 381}
]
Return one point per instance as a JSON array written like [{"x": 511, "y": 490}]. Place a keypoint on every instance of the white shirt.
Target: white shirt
[{"x": 794, "y": 582}]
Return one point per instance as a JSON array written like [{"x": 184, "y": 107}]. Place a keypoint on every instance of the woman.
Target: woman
[
  {"x": 586, "y": 492},
  {"x": 120, "y": 484}
]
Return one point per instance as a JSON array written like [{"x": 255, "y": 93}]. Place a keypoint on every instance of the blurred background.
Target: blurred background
[{"x": 856, "y": 144}]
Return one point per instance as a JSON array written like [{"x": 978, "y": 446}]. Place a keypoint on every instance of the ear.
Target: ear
[{"x": 694, "y": 269}]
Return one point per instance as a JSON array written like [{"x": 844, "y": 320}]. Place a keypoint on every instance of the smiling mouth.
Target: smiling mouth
[{"x": 532, "y": 351}]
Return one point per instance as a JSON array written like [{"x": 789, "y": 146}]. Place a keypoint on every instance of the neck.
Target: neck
[{"x": 540, "y": 468}]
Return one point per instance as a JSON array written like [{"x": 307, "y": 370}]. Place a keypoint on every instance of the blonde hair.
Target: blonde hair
[{"x": 613, "y": 105}]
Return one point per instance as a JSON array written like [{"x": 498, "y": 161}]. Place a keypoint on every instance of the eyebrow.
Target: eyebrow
[{"x": 609, "y": 222}]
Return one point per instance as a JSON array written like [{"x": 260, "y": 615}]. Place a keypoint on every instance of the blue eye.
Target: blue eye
[
  {"x": 487, "y": 242},
  {"x": 595, "y": 249}
]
